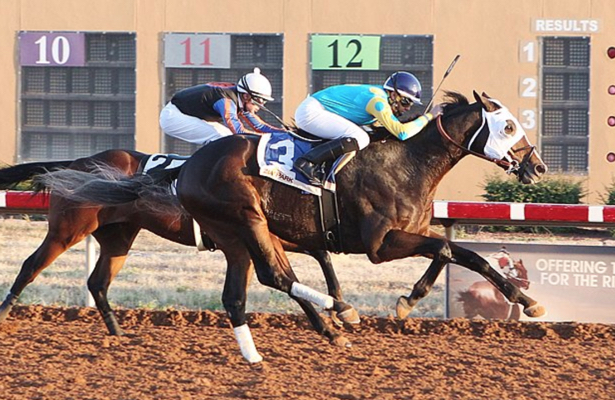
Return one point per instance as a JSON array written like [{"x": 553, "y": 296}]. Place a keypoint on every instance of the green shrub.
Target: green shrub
[
  {"x": 555, "y": 190},
  {"x": 609, "y": 200},
  {"x": 551, "y": 190},
  {"x": 610, "y": 195}
]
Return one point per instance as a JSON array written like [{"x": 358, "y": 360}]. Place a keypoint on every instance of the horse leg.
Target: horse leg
[
  {"x": 474, "y": 262},
  {"x": 405, "y": 304},
  {"x": 398, "y": 244},
  {"x": 273, "y": 269},
  {"x": 239, "y": 268},
  {"x": 115, "y": 241},
  {"x": 53, "y": 245},
  {"x": 348, "y": 315}
]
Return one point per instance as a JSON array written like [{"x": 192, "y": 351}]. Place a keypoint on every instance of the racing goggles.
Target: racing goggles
[
  {"x": 259, "y": 101},
  {"x": 405, "y": 102}
]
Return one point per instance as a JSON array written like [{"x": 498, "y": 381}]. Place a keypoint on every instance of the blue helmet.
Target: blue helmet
[{"x": 406, "y": 85}]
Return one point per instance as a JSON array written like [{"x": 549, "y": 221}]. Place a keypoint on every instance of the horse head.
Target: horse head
[
  {"x": 508, "y": 143},
  {"x": 496, "y": 135},
  {"x": 521, "y": 280}
]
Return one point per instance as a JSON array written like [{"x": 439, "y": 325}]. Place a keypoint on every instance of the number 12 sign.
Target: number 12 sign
[
  {"x": 345, "y": 52},
  {"x": 197, "y": 51}
]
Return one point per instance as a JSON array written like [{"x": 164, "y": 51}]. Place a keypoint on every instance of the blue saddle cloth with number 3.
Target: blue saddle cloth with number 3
[{"x": 276, "y": 154}]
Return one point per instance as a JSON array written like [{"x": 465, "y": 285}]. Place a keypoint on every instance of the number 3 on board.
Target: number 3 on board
[{"x": 345, "y": 52}]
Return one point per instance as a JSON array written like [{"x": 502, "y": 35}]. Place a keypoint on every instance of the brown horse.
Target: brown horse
[
  {"x": 482, "y": 299},
  {"x": 385, "y": 196},
  {"x": 115, "y": 229}
]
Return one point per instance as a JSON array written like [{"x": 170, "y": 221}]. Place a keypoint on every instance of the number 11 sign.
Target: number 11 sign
[{"x": 197, "y": 51}]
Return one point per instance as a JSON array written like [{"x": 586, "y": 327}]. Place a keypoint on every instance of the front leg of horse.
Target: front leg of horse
[
  {"x": 405, "y": 304},
  {"x": 347, "y": 313},
  {"x": 475, "y": 262},
  {"x": 398, "y": 244}
]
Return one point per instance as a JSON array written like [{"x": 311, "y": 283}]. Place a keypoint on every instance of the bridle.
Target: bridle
[{"x": 509, "y": 162}]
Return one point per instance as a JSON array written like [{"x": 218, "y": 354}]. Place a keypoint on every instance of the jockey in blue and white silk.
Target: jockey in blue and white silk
[{"x": 203, "y": 113}]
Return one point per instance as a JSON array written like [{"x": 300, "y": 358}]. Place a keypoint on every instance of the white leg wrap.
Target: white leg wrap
[
  {"x": 312, "y": 295},
  {"x": 246, "y": 344},
  {"x": 198, "y": 237}
]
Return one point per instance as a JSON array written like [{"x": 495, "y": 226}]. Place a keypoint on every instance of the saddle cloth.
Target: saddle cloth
[
  {"x": 276, "y": 154},
  {"x": 158, "y": 162}
]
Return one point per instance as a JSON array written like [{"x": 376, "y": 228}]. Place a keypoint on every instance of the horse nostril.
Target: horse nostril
[{"x": 540, "y": 169}]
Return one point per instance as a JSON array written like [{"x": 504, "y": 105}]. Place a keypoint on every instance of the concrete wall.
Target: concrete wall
[{"x": 487, "y": 34}]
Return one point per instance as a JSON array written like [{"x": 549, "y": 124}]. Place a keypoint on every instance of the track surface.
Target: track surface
[{"x": 65, "y": 353}]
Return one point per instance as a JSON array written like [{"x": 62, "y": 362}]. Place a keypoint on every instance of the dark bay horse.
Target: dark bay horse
[
  {"x": 482, "y": 299},
  {"x": 385, "y": 196},
  {"x": 115, "y": 229}
]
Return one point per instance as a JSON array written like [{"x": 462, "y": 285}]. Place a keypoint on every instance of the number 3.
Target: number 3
[{"x": 528, "y": 119}]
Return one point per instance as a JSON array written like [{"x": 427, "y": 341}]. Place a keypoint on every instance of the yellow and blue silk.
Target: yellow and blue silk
[{"x": 366, "y": 104}]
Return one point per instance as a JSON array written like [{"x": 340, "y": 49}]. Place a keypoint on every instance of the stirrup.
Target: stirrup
[{"x": 309, "y": 171}]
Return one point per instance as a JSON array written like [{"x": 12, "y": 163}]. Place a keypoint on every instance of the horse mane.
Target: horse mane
[{"x": 453, "y": 100}]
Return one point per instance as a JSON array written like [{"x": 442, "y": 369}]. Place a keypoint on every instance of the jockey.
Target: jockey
[
  {"x": 203, "y": 113},
  {"x": 338, "y": 112}
]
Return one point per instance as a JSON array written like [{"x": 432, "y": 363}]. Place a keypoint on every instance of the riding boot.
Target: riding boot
[{"x": 309, "y": 163}]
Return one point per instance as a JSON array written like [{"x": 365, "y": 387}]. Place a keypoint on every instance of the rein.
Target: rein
[{"x": 510, "y": 166}]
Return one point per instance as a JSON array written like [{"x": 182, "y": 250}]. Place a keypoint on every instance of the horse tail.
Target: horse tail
[
  {"x": 108, "y": 186},
  {"x": 21, "y": 175}
]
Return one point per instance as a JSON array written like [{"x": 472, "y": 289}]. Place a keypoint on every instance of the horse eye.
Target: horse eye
[{"x": 509, "y": 129}]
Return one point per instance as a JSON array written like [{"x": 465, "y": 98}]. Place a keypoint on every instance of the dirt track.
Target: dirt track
[{"x": 59, "y": 353}]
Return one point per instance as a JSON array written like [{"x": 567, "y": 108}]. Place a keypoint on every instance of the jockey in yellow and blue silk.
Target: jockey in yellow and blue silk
[
  {"x": 203, "y": 113},
  {"x": 338, "y": 112}
]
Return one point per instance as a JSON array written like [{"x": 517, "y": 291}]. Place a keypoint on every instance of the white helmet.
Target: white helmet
[{"x": 256, "y": 85}]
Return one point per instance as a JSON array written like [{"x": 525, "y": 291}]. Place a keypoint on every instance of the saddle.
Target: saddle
[{"x": 276, "y": 154}]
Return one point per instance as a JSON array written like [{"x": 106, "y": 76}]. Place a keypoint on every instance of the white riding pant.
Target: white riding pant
[
  {"x": 191, "y": 129},
  {"x": 312, "y": 117}
]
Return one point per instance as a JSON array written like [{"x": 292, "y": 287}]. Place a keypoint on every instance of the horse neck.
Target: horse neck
[{"x": 438, "y": 155}]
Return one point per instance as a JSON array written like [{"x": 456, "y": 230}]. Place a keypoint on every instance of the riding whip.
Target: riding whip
[{"x": 448, "y": 71}]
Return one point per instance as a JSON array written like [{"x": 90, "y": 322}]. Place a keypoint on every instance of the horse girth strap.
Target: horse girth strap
[
  {"x": 445, "y": 135},
  {"x": 330, "y": 221}
]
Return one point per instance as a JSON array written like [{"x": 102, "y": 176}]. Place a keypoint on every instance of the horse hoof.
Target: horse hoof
[
  {"x": 4, "y": 313},
  {"x": 341, "y": 341},
  {"x": 403, "y": 308},
  {"x": 349, "y": 316},
  {"x": 336, "y": 321},
  {"x": 534, "y": 311}
]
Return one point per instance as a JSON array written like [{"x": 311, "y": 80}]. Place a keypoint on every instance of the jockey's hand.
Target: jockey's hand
[{"x": 438, "y": 109}]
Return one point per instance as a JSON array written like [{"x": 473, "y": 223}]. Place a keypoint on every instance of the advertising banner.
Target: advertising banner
[{"x": 573, "y": 283}]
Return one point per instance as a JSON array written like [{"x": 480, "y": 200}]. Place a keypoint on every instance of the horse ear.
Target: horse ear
[{"x": 485, "y": 102}]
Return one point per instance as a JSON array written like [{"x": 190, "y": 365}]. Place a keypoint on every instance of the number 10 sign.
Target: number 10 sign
[
  {"x": 51, "y": 49},
  {"x": 197, "y": 51}
]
